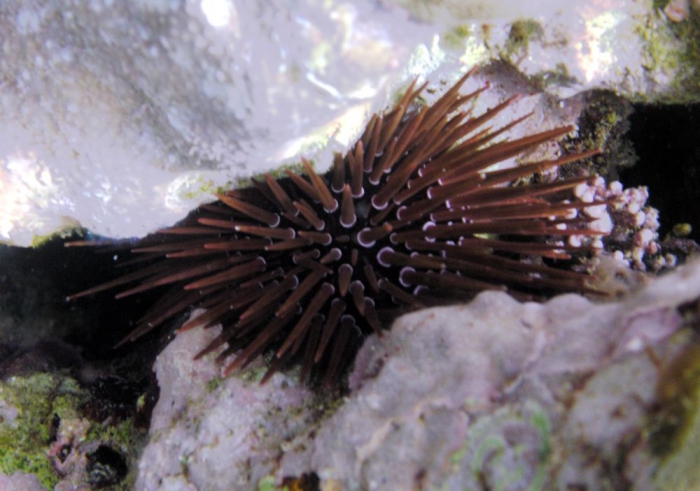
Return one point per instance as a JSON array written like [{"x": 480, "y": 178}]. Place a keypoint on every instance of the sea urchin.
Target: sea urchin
[{"x": 305, "y": 267}]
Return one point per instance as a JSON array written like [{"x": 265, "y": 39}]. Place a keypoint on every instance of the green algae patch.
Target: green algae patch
[
  {"x": 457, "y": 36},
  {"x": 688, "y": 85},
  {"x": 675, "y": 430},
  {"x": 36, "y": 410},
  {"x": 125, "y": 438},
  {"x": 522, "y": 31},
  {"x": 277, "y": 173},
  {"x": 34, "y": 402},
  {"x": 604, "y": 124},
  {"x": 199, "y": 187},
  {"x": 66, "y": 228},
  {"x": 268, "y": 484},
  {"x": 674, "y": 49}
]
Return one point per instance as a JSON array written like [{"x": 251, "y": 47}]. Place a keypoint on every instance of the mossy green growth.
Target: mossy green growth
[
  {"x": 603, "y": 124},
  {"x": 688, "y": 85},
  {"x": 268, "y": 484},
  {"x": 522, "y": 31},
  {"x": 253, "y": 375},
  {"x": 29, "y": 407},
  {"x": 673, "y": 48},
  {"x": 278, "y": 173},
  {"x": 201, "y": 186},
  {"x": 675, "y": 428},
  {"x": 557, "y": 76},
  {"x": 455, "y": 37},
  {"x": 24, "y": 439},
  {"x": 67, "y": 228},
  {"x": 124, "y": 438},
  {"x": 40, "y": 240},
  {"x": 214, "y": 384}
]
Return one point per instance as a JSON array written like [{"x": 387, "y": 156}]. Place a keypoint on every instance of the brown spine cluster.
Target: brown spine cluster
[{"x": 306, "y": 266}]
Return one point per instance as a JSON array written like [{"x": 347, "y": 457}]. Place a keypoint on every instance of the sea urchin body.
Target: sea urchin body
[{"x": 305, "y": 266}]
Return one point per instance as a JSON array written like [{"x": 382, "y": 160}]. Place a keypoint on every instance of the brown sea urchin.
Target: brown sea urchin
[{"x": 411, "y": 215}]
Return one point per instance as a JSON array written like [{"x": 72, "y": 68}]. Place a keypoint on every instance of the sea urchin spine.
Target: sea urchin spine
[{"x": 411, "y": 215}]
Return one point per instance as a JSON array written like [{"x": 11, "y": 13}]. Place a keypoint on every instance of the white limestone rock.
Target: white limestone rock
[
  {"x": 492, "y": 394},
  {"x": 213, "y": 433},
  {"x": 120, "y": 117}
]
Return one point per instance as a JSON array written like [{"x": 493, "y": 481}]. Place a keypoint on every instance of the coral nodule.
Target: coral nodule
[{"x": 412, "y": 215}]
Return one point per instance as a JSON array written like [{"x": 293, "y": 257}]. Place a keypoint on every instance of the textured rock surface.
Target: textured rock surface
[
  {"x": 491, "y": 395},
  {"x": 638, "y": 48},
  {"x": 20, "y": 481},
  {"x": 121, "y": 115},
  {"x": 213, "y": 433},
  {"x": 116, "y": 114}
]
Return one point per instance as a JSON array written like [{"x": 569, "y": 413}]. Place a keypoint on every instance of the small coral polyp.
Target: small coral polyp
[{"x": 307, "y": 266}]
